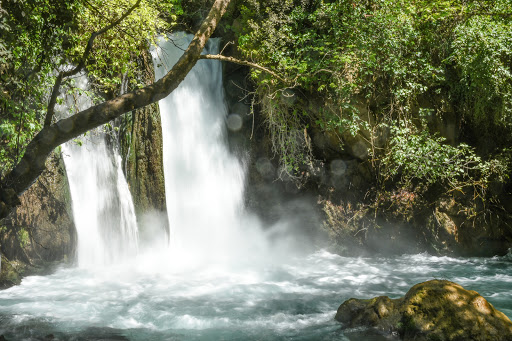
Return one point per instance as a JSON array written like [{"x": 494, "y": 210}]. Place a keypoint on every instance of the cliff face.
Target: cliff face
[
  {"x": 41, "y": 231},
  {"x": 144, "y": 165},
  {"x": 142, "y": 149},
  {"x": 340, "y": 186}
]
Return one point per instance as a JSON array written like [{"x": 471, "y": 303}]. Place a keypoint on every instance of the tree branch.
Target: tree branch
[
  {"x": 58, "y": 82},
  {"x": 245, "y": 63},
  {"x": 32, "y": 164}
]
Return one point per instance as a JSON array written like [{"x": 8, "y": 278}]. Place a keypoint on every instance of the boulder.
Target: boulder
[
  {"x": 433, "y": 310},
  {"x": 41, "y": 230}
]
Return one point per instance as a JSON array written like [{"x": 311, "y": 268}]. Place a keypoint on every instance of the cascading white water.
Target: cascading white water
[
  {"x": 103, "y": 210},
  {"x": 204, "y": 182}
]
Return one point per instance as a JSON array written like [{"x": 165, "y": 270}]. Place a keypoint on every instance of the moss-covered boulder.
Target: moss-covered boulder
[
  {"x": 433, "y": 310},
  {"x": 9, "y": 274}
]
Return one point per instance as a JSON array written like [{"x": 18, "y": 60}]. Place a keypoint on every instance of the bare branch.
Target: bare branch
[
  {"x": 246, "y": 63},
  {"x": 227, "y": 44},
  {"x": 53, "y": 100}
]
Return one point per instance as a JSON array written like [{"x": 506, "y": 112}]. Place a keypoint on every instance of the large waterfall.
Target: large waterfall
[
  {"x": 204, "y": 182},
  {"x": 102, "y": 205}
]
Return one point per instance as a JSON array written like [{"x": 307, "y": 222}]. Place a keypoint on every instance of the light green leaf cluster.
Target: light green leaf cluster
[
  {"x": 115, "y": 51},
  {"x": 482, "y": 49}
]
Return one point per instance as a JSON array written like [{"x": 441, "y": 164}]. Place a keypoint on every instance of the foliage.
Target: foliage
[
  {"x": 482, "y": 50},
  {"x": 33, "y": 34},
  {"x": 418, "y": 156},
  {"x": 393, "y": 58},
  {"x": 40, "y": 38},
  {"x": 113, "y": 56},
  {"x": 291, "y": 140}
]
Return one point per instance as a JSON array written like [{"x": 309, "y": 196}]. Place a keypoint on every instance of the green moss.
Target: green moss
[
  {"x": 23, "y": 237},
  {"x": 9, "y": 276}
]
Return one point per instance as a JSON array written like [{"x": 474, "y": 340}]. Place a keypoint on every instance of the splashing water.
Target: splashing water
[
  {"x": 103, "y": 210},
  {"x": 296, "y": 300}
]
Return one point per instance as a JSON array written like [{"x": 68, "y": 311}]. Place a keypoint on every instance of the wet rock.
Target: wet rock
[
  {"x": 41, "y": 231},
  {"x": 9, "y": 276},
  {"x": 433, "y": 310},
  {"x": 141, "y": 143},
  {"x": 458, "y": 226}
]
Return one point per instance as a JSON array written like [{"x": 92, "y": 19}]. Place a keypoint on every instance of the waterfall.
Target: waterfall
[
  {"x": 222, "y": 277},
  {"x": 204, "y": 182},
  {"x": 103, "y": 210}
]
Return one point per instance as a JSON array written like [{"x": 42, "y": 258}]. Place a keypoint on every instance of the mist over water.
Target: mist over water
[
  {"x": 296, "y": 300},
  {"x": 221, "y": 275}
]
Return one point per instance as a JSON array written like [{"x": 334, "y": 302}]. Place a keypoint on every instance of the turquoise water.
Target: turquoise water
[{"x": 291, "y": 298}]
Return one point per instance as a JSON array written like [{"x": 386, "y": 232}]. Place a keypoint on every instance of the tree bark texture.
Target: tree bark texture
[{"x": 33, "y": 162}]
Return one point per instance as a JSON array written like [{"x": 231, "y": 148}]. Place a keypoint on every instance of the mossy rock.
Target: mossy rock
[
  {"x": 9, "y": 275},
  {"x": 433, "y": 310}
]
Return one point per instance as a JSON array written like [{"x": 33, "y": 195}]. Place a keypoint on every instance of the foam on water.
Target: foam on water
[{"x": 297, "y": 299}]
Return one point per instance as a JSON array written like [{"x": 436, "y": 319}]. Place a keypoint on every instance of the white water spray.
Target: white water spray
[{"x": 103, "y": 210}]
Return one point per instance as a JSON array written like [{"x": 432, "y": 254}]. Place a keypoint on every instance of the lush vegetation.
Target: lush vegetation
[
  {"x": 41, "y": 38},
  {"x": 420, "y": 91},
  {"x": 405, "y": 68}
]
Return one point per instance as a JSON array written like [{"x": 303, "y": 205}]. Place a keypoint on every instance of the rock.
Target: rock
[
  {"x": 9, "y": 276},
  {"x": 457, "y": 226},
  {"x": 433, "y": 310},
  {"x": 379, "y": 312},
  {"x": 41, "y": 231}
]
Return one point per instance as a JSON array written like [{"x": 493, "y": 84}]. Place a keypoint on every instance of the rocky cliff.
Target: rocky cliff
[
  {"x": 142, "y": 150},
  {"x": 41, "y": 232}
]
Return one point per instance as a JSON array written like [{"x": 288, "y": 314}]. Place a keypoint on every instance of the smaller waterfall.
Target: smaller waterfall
[{"x": 103, "y": 210}]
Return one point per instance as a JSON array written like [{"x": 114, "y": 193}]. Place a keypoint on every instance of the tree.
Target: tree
[{"x": 32, "y": 164}]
